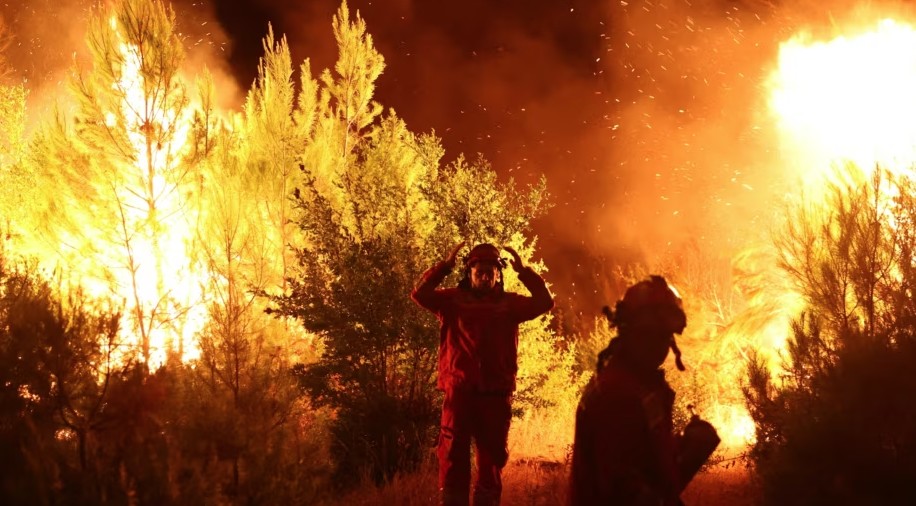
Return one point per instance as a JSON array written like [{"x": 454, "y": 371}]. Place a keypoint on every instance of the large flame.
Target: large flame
[
  {"x": 848, "y": 99},
  {"x": 166, "y": 289},
  {"x": 152, "y": 268}
]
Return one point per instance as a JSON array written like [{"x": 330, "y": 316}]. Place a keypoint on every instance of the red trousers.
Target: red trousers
[{"x": 483, "y": 418}]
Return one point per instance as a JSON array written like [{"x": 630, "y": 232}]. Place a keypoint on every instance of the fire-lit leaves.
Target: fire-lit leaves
[
  {"x": 117, "y": 187},
  {"x": 847, "y": 368}
]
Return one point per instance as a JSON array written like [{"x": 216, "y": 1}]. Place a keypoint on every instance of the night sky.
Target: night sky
[
  {"x": 646, "y": 116},
  {"x": 520, "y": 82},
  {"x": 548, "y": 87}
]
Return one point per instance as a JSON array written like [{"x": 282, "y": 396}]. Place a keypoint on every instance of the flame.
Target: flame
[
  {"x": 833, "y": 102},
  {"x": 848, "y": 99},
  {"x": 736, "y": 428},
  {"x": 137, "y": 242},
  {"x": 164, "y": 253},
  {"x": 163, "y": 289}
]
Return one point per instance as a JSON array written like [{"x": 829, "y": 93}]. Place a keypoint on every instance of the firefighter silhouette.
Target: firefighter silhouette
[{"x": 625, "y": 452}]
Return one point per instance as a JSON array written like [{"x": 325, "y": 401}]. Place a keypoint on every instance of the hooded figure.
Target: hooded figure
[
  {"x": 625, "y": 451},
  {"x": 478, "y": 360}
]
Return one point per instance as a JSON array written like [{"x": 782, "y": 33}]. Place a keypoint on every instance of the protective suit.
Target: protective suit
[
  {"x": 624, "y": 449},
  {"x": 478, "y": 352},
  {"x": 625, "y": 452}
]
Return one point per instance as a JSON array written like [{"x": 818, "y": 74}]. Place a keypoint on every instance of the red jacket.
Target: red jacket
[
  {"x": 624, "y": 453},
  {"x": 478, "y": 336}
]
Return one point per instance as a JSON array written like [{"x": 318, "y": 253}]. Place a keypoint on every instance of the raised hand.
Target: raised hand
[
  {"x": 516, "y": 261},
  {"x": 452, "y": 257}
]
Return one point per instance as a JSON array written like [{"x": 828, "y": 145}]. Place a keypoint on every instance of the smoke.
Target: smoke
[
  {"x": 519, "y": 82},
  {"x": 47, "y": 43},
  {"x": 207, "y": 45},
  {"x": 648, "y": 117},
  {"x": 644, "y": 116},
  {"x": 44, "y": 38}
]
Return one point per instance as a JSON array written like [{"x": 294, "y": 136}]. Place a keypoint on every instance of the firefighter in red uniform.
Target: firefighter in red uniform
[
  {"x": 625, "y": 452},
  {"x": 478, "y": 347}
]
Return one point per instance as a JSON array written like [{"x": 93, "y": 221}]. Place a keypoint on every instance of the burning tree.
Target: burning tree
[
  {"x": 266, "y": 439},
  {"x": 118, "y": 185},
  {"x": 837, "y": 426}
]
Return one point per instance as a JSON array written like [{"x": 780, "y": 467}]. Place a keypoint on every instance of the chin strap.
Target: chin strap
[{"x": 677, "y": 355}]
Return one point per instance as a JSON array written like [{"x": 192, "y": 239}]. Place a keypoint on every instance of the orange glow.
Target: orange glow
[
  {"x": 845, "y": 100},
  {"x": 167, "y": 291},
  {"x": 735, "y": 426},
  {"x": 848, "y": 99}
]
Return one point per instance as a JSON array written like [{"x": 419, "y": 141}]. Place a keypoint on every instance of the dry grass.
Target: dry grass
[
  {"x": 538, "y": 473},
  {"x": 543, "y": 435},
  {"x": 720, "y": 486},
  {"x": 415, "y": 489},
  {"x": 534, "y": 483}
]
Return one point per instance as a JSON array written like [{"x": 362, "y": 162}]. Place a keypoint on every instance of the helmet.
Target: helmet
[
  {"x": 649, "y": 303},
  {"x": 484, "y": 253},
  {"x": 652, "y": 298}
]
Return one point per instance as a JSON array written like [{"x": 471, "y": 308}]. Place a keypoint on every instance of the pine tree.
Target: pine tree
[
  {"x": 277, "y": 126},
  {"x": 117, "y": 181},
  {"x": 376, "y": 209},
  {"x": 836, "y": 427},
  {"x": 247, "y": 440}
]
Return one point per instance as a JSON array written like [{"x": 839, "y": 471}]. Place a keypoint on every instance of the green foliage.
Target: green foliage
[
  {"x": 15, "y": 184},
  {"x": 276, "y": 127},
  {"x": 836, "y": 427},
  {"x": 358, "y": 67},
  {"x": 375, "y": 210},
  {"x": 378, "y": 369}
]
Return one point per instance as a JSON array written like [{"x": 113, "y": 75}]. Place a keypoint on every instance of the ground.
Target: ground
[{"x": 529, "y": 483}]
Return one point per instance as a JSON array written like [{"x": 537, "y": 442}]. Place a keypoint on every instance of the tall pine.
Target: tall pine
[
  {"x": 117, "y": 180},
  {"x": 835, "y": 427},
  {"x": 375, "y": 208}
]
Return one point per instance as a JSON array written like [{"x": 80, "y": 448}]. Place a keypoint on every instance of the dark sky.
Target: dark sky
[
  {"x": 586, "y": 92},
  {"x": 648, "y": 117},
  {"x": 525, "y": 83}
]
